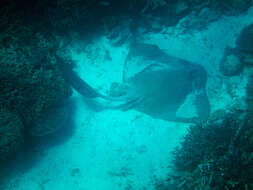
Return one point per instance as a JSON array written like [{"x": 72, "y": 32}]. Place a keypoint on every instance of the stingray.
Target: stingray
[
  {"x": 163, "y": 83},
  {"x": 155, "y": 83},
  {"x": 163, "y": 91}
]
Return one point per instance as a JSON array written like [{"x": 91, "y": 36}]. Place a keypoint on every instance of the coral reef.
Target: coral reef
[
  {"x": 32, "y": 81},
  {"x": 215, "y": 155},
  {"x": 32, "y": 84},
  {"x": 11, "y": 134}
]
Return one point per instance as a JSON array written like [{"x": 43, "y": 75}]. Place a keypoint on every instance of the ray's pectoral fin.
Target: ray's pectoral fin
[
  {"x": 202, "y": 105},
  {"x": 194, "y": 109}
]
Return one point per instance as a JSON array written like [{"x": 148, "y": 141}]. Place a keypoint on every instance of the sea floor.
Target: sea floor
[{"x": 124, "y": 150}]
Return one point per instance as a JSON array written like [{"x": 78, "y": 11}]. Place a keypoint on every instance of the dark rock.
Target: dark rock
[
  {"x": 31, "y": 80},
  {"x": 230, "y": 65},
  {"x": 244, "y": 42},
  {"x": 247, "y": 59},
  {"x": 244, "y": 45}
]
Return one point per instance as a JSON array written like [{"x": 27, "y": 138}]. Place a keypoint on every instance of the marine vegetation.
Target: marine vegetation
[
  {"x": 216, "y": 155},
  {"x": 31, "y": 85}
]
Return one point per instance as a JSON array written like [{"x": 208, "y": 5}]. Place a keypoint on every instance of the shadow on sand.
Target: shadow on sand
[{"x": 35, "y": 148}]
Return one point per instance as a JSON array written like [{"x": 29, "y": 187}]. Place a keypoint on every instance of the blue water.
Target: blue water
[{"x": 112, "y": 149}]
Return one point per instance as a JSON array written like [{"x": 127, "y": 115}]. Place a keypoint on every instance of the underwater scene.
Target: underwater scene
[{"x": 126, "y": 95}]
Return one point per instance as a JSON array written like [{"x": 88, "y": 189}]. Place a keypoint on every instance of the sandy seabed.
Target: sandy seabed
[{"x": 115, "y": 150}]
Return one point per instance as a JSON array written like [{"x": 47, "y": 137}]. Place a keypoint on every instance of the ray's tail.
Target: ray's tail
[{"x": 88, "y": 91}]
